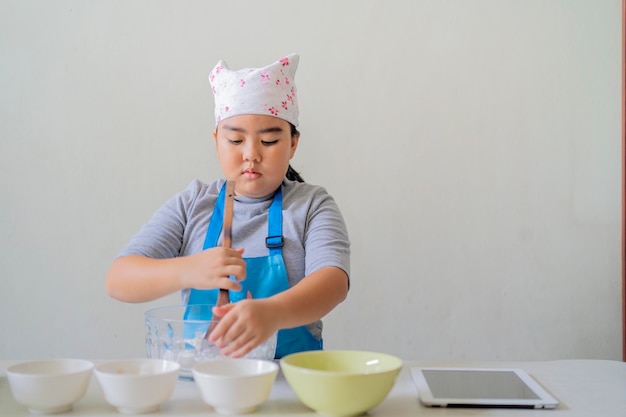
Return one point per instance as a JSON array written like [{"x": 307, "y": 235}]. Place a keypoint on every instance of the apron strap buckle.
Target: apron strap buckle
[{"x": 273, "y": 242}]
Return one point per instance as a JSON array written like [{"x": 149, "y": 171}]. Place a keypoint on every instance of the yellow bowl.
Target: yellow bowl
[{"x": 341, "y": 383}]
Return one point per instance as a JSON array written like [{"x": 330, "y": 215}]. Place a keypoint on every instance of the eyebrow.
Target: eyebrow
[{"x": 273, "y": 129}]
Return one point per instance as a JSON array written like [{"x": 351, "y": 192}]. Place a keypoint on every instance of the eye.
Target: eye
[
  {"x": 269, "y": 142},
  {"x": 235, "y": 141}
]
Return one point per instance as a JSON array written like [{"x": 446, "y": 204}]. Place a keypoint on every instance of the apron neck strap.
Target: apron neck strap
[{"x": 274, "y": 240}]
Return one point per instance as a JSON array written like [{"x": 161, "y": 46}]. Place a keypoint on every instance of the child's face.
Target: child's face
[{"x": 255, "y": 151}]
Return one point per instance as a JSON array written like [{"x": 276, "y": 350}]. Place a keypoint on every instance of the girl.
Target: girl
[{"x": 289, "y": 265}]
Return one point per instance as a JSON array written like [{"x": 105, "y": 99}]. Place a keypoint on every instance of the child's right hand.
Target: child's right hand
[{"x": 211, "y": 268}]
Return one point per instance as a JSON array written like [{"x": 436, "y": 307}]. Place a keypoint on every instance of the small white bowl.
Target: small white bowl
[
  {"x": 49, "y": 386},
  {"x": 136, "y": 386},
  {"x": 235, "y": 386}
]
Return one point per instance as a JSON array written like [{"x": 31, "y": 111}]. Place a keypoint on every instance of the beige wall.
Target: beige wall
[{"x": 473, "y": 146}]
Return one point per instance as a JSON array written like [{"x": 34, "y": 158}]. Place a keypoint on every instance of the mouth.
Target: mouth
[{"x": 251, "y": 173}]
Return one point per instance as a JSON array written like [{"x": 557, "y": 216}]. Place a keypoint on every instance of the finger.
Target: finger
[
  {"x": 237, "y": 271},
  {"x": 220, "y": 311},
  {"x": 234, "y": 253},
  {"x": 244, "y": 349},
  {"x": 227, "y": 329},
  {"x": 231, "y": 339},
  {"x": 239, "y": 347},
  {"x": 219, "y": 331},
  {"x": 228, "y": 284}
]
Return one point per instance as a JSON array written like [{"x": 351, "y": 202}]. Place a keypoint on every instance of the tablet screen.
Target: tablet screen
[
  {"x": 477, "y": 384},
  {"x": 481, "y": 387}
]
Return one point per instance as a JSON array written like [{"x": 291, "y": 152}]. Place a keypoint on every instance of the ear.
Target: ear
[
  {"x": 294, "y": 145},
  {"x": 215, "y": 137}
]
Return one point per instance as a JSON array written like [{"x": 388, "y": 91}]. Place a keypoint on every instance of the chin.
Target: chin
[{"x": 257, "y": 191}]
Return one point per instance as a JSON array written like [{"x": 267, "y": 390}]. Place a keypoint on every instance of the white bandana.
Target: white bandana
[{"x": 270, "y": 90}]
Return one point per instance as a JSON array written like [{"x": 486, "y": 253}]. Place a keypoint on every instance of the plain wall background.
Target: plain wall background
[{"x": 473, "y": 147}]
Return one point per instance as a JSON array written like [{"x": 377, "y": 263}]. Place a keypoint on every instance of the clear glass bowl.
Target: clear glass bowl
[{"x": 172, "y": 337}]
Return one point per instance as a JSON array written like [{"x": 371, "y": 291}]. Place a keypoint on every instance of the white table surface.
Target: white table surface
[{"x": 584, "y": 388}]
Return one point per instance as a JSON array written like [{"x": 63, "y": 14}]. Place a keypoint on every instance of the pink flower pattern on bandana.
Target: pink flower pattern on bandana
[{"x": 267, "y": 91}]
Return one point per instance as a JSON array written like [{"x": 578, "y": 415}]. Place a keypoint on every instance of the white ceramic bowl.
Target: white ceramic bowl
[
  {"x": 135, "y": 386},
  {"x": 171, "y": 336},
  {"x": 235, "y": 386},
  {"x": 49, "y": 386}
]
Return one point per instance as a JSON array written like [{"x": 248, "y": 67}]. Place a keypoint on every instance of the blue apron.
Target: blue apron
[{"x": 265, "y": 276}]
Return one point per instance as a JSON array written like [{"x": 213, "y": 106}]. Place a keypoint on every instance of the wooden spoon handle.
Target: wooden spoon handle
[
  {"x": 227, "y": 239},
  {"x": 228, "y": 214},
  {"x": 227, "y": 227}
]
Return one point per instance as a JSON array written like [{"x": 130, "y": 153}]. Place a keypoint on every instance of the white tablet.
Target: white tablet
[{"x": 479, "y": 387}]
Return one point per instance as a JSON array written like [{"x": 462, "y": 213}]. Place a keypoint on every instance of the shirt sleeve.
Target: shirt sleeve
[
  {"x": 162, "y": 236},
  {"x": 326, "y": 236}
]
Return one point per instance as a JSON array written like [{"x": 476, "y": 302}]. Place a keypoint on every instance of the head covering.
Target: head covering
[{"x": 267, "y": 91}]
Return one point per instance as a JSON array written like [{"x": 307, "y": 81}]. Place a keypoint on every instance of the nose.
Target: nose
[{"x": 252, "y": 153}]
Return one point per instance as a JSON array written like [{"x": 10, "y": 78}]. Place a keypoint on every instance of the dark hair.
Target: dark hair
[{"x": 292, "y": 174}]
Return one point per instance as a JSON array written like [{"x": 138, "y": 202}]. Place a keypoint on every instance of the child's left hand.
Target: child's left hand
[{"x": 244, "y": 325}]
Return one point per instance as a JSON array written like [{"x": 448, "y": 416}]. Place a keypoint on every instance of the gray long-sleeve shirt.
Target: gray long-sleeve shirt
[{"x": 315, "y": 234}]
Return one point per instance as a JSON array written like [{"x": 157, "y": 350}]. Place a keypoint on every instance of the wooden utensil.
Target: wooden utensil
[
  {"x": 227, "y": 238},
  {"x": 227, "y": 227}
]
